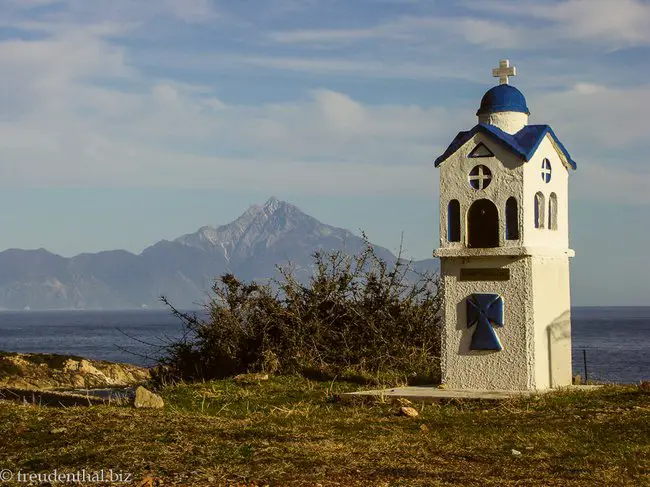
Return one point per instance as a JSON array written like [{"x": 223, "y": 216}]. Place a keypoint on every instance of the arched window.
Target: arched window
[
  {"x": 453, "y": 221},
  {"x": 483, "y": 224},
  {"x": 539, "y": 210},
  {"x": 552, "y": 212},
  {"x": 512, "y": 219}
]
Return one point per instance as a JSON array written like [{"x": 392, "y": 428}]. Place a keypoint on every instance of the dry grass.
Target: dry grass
[{"x": 292, "y": 431}]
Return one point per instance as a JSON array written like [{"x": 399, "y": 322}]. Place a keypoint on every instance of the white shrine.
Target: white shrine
[{"x": 504, "y": 250}]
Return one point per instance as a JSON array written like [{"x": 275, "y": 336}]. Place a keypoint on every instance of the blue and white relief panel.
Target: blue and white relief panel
[{"x": 485, "y": 313}]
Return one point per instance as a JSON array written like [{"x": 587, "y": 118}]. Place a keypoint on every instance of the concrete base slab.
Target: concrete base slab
[{"x": 432, "y": 394}]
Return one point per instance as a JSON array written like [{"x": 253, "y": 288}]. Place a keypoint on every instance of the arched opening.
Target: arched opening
[
  {"x": 539, "y": 210},
  {"x": 512, "y": 219},
  {"x": 483, "y": 224},
  {"x": 453, "y": 221},
  {"x": 552, "y": 212}
]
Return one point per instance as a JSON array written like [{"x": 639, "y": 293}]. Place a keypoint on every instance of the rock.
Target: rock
[
  {"x": 403, "y": 402},
  {"x": 78, "y": 382},
  {"x": 515, "y": 452},
  {"x": 147, "y": 399},
  {"x": 58, "y": 431},
  {"x": 42, "y": 371},
  {"x": 81, "y": 366},
  {"x": 408, "y": 411},
  {"x": 250, "y": 378}
]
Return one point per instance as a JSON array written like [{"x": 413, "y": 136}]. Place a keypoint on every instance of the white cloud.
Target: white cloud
[
  {"x": 81, "y": 13},
  {"x": 404, "y": 28},
  {"x": 606, "y": 23},
  {"x": 588, "y": 88},
  {"x": 624, "y": 22},
  {"x": 598, "y": 181},
  {"x": 600, "y": 117},
  {"x": 61, "y": 128},
  {"x": 610, "y": 23},
  {"x": 324, "y": 65},
  {"x": 322, "y": 35},
  {"x": 604, "y": 129},
  {"x": 386, "y": 68},
  {"x": 65, "y": 125},
  {"x": 27, "y": 4},
  {"x": 434, "y": 30},
  {"x": 192, "y": 11},
  {"x": 341, "y": 112},
  {"x": 41, "y": 74}
]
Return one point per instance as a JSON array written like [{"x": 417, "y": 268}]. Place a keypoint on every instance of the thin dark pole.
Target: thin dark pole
[{"x": 584, "y": 358}]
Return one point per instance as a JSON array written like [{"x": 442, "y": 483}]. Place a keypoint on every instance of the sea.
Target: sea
[{"x": 610, "y": 344}]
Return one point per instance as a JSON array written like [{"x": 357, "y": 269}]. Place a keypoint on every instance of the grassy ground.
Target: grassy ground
[{"x": 292, "y": 431}]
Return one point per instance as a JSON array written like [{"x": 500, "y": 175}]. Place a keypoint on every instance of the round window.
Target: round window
[{"x": 480, "y": 177}]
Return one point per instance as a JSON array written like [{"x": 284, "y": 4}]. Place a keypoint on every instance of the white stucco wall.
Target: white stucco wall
[
  {"x": 559, "y": 184},
  {"x": 552, "y": 321},
  {"x": 536, "y": 339},
  {"x": 454, "y": 184},
  {"x": 509, "y": 122},
  {"x": 509, "y": 369},
  {"x": 536, "y": 336}
]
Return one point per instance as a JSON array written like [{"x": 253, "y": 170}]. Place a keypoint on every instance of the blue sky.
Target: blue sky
[{"x": 124, "y": 122}]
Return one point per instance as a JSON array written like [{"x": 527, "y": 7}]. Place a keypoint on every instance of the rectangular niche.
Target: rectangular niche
[{"x": 485, "y": 274}]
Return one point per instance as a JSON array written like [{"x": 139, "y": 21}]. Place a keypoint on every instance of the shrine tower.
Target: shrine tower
[{"x": 504, "y": 250}]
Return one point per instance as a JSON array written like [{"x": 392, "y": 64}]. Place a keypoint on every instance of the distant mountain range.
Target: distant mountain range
[{"x": 183, "y": 269}]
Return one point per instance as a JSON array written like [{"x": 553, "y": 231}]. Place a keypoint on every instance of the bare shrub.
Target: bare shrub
[{"x": 358, "y": 316}]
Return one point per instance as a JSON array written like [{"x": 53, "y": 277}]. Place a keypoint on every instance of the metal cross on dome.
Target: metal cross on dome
[
  {"x": 486, "y": 312},
  {"x": 503, "y": 71}
]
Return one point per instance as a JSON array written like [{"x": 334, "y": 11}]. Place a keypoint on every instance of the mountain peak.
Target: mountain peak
[
  {"x": 260, "y": 227},
  {"x": 275, "y": 207},
  {"x": 273, "y": 204}
]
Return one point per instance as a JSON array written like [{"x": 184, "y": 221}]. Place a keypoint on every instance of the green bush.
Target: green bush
[{"x": 358, "y": 316}]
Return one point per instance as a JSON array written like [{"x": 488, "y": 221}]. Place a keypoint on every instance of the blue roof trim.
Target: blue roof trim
[{"x": 523, "y": 144}]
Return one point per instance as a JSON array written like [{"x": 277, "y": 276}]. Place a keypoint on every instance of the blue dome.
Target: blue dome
[{"x": 503, "y": 98}]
